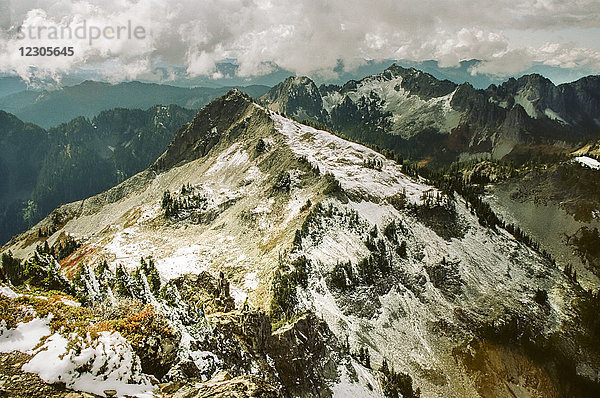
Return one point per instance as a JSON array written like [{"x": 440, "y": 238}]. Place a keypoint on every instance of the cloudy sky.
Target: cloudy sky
[{"x": 303, "y": 36}]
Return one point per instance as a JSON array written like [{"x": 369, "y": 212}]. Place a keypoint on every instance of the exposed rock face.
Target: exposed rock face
[
  {"x": 158, "y": 353},
  {"x": 213, "y": 122},
  {"x": 583, "y": 96},
  {"x": 420, "y": 83},
  {"x": 238, "y": 387},
  {"x": 204, "y": 289},
  {"x": 306, "y": 356},
  {"x": 415, "y": 114},
  {"x": 298, "y": 96}
]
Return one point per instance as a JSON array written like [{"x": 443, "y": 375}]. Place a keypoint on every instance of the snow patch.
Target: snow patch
[
  {"x": 25, "y": 336},
  {"x": 347, "y": 388},
  {"x": 233, "y": 157},
  {"x": 524, "y": 101},
  {"x": 374, "y": 213},
  {"x": 186, "y": 260},
  {"x": 346, "y": 161},
  {"x": 588, "y": 162},
  {"x": 238, "y": 295},
  {"x": 70, "y": 303},
  {"x": 553, "y": 115},
  {"x": 251, "y": 281},
  {"x": 8, "y": 292},
  {"x": 106, "y": 363}
]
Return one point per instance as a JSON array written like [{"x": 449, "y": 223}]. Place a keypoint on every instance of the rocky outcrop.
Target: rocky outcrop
[
  {"x": 530, "y": 110},
  {"x": 238, "y": 387},
  {"x": 306, "y": 356},
  {"x": 195, "y": 139},
  {"x": 298, "y": 97},
  {"x": 420, "y": 83}
]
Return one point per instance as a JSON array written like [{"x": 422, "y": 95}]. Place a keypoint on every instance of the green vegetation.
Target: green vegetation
[
  {"x": 40, "y": 270},
  {"x": 148, "y": 268},
  {"x": 342, "y": 276},
  {"x": 283, "y": 182},
  {"x": 397, "y": 385},
  {"x": 260, "y": 147},
  {"x": 185, "y": 204},
  {"x": 287, "y": 278},
  {"x": 541, "y": 297},
  {"x": 61, "y": 249},
  {"x": 312, "y": 226},
  {"x": 12, "y": 269},
  {"x": 438, "y": 212},
  {"x": 333, "y": 187},
  {"x": 587, "y": 243},
  {"x": 43, "y": 169},
  {"x": 306, "y": 206},
  {"x": 364, "y": 357},
  {"x": 445, "y": 276}
]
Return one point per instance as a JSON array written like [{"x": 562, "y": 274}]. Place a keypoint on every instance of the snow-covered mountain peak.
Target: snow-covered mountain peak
[
  {"x": 302, "y": 222},
  {"x": 358, "y": 169}
]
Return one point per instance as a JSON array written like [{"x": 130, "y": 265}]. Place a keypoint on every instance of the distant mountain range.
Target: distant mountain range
[
  {"x": 49, "y": 108},
  {"x": 414, "y": 113},
  {"x": 10, "y": 85},
  {"x": 464, "y": 72},
  {"x": 41, "y": 169}
]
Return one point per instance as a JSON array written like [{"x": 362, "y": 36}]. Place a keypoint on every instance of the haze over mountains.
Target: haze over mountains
[{"x": 49, "y": 108}]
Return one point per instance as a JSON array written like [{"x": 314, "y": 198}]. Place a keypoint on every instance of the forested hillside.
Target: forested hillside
[{"x": 42, "y": 169}]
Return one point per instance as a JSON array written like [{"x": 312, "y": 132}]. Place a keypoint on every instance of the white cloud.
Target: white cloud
[{"x": 306, "y": 37}]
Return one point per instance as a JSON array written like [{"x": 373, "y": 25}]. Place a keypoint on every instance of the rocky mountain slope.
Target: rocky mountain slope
[
  {"x": 558, "y": 206},
  {"x": 415, "y": 114},
  {"x": 360, "y": 280}
]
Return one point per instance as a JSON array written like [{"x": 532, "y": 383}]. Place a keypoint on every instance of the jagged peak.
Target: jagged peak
[
  {"x": 296, "y": 95},
  {"x": 196, "y": 138},
  {"x": 235, "y": 93},
  {"x": 294, "y": 81},
  {"x": 395, "y": 68},
  {"x": 533, "y": 80}
]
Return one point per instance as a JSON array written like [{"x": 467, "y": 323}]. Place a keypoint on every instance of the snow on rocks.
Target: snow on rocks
[
  {"x": 92, "y": 365},
  {"x": 25, "y": 336},
  {"x": 251, "y": 281},
  {"x": 346, "y": 387},
  {"x": 346, "y": 161},
  {"x": 232, "y": 158},
  {"x": 401, "y": 326},
  {"x": 588, "y": 162},
  {"x": 8, "y": 292}
]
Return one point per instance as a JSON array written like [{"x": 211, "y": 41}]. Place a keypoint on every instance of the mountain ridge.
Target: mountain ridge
[
  {"x": 76, "y": 159},
  {"x": 298, "y": 219},
  {"x": 49, "y": 108},
  {"x": 400, "y": 108}
]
